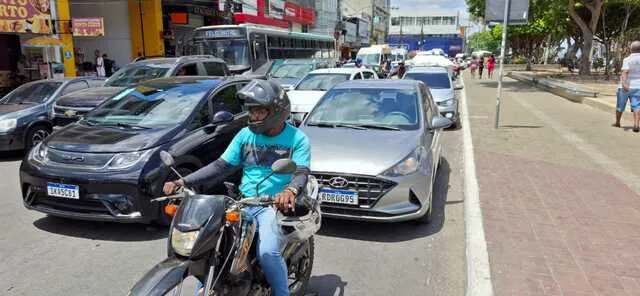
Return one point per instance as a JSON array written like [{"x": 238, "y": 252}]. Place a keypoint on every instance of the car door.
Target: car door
[{"x": 432, "y": 136}]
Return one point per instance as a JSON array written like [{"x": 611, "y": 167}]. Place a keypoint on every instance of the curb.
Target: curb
[{"x": 478, "y": 267}]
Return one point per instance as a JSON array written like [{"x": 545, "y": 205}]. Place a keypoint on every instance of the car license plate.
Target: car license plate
[
  {"x": 347, "y": 197},
  {"x": 63, "y": 190}
]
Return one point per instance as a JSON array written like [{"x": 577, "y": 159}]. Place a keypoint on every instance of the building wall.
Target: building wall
[
  {"x": 450, "y": 45},
  {"x": 364, "y": 9},
  {"x": 431, "y": 23},
  {"x": 327, "y": 17},
  {"x": 117, "y": 40}
]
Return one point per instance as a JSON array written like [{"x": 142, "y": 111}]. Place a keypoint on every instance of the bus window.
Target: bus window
[{"x": 259, "y": 50}]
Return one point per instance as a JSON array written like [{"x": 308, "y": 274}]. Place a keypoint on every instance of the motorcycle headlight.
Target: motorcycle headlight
[
  {"x": 39, "y": 153},
  {"x": 182, "y": 242},
  {"x": 409, "y": 165},
  {"x": 8, "y": 124},
  {"x": 446, "y": 103},
  {"x": 126, "y": 160}
]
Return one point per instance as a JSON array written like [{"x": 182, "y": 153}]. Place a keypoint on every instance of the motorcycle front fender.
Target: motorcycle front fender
[{"x": 161, "y": 278}]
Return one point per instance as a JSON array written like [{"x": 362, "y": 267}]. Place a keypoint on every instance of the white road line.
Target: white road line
[{"x": 478, "y": 269}]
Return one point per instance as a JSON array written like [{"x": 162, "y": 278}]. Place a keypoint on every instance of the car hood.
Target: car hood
[
  {"x": 90, "y": 97},
  {"x": 442, "y": 94},
  {"x": 304, "y": 100},
  {"x": 105, "y": 139},
  {"x": 341, "y": 150},
  {"x": 17, "y": 109}
]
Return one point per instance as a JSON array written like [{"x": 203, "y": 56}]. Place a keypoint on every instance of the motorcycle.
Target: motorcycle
[{"x": 212, "y": 239}]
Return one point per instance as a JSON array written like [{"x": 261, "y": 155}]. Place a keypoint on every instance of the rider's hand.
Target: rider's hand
[
  {"x": 285, "y": 200},
  {"x": 170, "y": 187}
]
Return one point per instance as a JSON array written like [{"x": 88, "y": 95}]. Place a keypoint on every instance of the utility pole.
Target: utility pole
[{"x": 373, "y": 11}]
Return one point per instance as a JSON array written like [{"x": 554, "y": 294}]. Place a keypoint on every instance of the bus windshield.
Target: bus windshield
[{"x": 235, "y": 52}]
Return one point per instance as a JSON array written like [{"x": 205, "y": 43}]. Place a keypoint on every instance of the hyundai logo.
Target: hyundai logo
[
  {"x": 338, "y": 182},
  {"x": 73, "y": 158}
]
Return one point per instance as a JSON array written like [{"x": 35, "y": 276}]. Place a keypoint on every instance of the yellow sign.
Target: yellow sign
[{"x": 25, "y": 16}]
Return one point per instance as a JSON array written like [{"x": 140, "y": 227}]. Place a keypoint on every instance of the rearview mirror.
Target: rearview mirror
[
  {"x": 166, "y": 158},
  {"x": 284, "y": 166},
  {"x": 440, "y": 122},
  {"x": 458, "y": 87},
  {"x": 222, "y": 117}
]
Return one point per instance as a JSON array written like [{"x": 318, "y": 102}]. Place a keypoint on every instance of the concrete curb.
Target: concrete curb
[
  {"x": 478, "y": 268},
  {"x": 571, "y": 96}
]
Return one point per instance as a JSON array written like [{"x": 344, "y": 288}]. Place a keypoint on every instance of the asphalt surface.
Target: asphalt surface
[{"x": 43, "y": 255}]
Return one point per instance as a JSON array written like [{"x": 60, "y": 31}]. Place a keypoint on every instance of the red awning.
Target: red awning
[{"x": 240, "y": 18}]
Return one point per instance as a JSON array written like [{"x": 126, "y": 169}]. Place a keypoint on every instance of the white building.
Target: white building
[{"x": 425, "y": 30}]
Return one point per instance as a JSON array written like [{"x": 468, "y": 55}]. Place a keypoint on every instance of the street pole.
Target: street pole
[
  {"x": 373, "y": 11},
  {"x": 144, "y": 52},
  {"x": 505, "y": 24}
]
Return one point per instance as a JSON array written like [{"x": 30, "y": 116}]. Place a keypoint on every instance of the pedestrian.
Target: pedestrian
[
  {"x": 109, "y": 64},
  {"x": 473, "y": 67},
  {"x": 621, "y": 103},
  {"x": 630, "y": 81},
  {"x": 480, "y": 67},
  {"x": 99, "y": 64},
  {"x": 491, "y": 64}
]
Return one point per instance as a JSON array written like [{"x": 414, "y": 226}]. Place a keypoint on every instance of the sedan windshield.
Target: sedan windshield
[
  {"x": 32, "y": 93},
  {"x": 138, "y": 72},
  {"x": 146, "y": 106},
  {"x": 234, "y": 52},
  {"x": 322, "y": 82},
  {"x": 367, "y": 108},
  {"x": 291, "y": 71},
  {"x": 432, "y": 80}
]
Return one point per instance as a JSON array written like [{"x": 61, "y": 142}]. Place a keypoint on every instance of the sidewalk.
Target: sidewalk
[{"x": 558, "y": 192}]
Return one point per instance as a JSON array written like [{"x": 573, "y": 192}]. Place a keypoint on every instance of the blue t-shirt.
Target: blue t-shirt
[{"x": 257, "y": 152}]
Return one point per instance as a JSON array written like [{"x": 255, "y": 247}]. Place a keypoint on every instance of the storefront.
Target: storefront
[
  {"x": 180, "y": 17},
  {"x": 275, "y": 13}
]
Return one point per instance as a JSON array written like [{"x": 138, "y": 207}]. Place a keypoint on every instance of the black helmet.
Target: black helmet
[{"x": 267, "y": 94}]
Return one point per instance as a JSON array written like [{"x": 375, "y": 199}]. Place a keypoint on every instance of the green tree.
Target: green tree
[
  {"x": 588, "y": 26},
  {"x": 487, "y": 40}
]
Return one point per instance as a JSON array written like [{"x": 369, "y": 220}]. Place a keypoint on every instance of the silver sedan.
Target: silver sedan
[{"x": 375, "y": 149}]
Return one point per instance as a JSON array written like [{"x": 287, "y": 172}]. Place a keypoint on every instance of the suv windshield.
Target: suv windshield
[
  {"x": 367, "y": 108},
  {"x": 432, "y": 80},
  {"x": 321, "y": 82},
  {"x": 291, "y": 70},
  {"x": 234, "y": 52},
  {"x": 32, "y": 92},
  {"x": 138, "y": 72},
  {"x": 148, "y": 106}
]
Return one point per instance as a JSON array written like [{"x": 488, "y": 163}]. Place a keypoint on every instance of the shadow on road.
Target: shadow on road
[
  {"x": 101, "y": 230},
  {"x": 511, "y": 85},
  {"x": 511, "y": 126},
  {"x": 395, "y": 232},
  {"x": 326, "y": 285},
  {"x": 8, "y": 156}
]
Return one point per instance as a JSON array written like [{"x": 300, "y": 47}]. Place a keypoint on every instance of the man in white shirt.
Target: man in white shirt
[{"x": 630, "y": 81}]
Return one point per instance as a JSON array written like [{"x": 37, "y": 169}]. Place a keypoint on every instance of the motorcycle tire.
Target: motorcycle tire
[{"x": 303, "y": 279}]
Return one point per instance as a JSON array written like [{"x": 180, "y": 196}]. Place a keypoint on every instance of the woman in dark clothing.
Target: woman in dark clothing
[{"x": 480, "y": 67}]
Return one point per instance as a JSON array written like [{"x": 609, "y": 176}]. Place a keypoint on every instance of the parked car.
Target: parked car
[
  {"x": 71, "y": 108},
  {"x": 106, "y": 167},
  {"x": 376, "y": 149},
  {"x": 441, "y": 87},
  {"x": 26, "y": 116},
  {"x": 314, "y": 85},
  {"x": 288, "y": 72}
]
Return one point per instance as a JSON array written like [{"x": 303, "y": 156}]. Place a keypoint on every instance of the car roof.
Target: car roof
[
  {"x": 179, "y": 59},
  {"x": 175, "y": 81},
  {"x": 303, "y": 61},
  {"x": 336, "y": 71},
  {"x": 428, "y": 70},
  {"x": 379, "y": 84}
]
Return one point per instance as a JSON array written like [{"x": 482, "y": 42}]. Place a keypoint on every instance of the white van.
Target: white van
[
  {"x": 398, "y": 55},
  {"x": 375, "y": 54}
]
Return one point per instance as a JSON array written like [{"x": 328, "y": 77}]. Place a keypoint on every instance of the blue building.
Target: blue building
[{"x": 425, "y": 31}]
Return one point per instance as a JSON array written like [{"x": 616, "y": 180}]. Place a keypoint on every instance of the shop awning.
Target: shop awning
[{"x": 43, "y": 42}]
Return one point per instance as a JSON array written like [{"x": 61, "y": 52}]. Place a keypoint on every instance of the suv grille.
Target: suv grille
[{"x": 370, "y": 189}]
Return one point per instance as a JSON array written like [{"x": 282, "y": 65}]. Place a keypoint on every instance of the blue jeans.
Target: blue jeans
[{"x": 269, "y": 246}]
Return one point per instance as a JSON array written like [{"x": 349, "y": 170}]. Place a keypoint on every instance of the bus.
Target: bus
[{"x": 246, "y": 47}]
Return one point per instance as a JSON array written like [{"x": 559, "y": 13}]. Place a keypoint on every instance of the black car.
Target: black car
[
  {"x": 106, "y": 167},
  {"x": 71, "y": 108},
  {"x": 26, "y": 112}
]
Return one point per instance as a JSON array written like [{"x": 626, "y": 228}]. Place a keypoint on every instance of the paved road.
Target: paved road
[{"x": 43, "y": 255}]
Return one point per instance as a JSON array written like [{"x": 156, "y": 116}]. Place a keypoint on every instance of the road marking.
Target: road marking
[
  {"x": 608, "y": 164},
  {"x": 478, "y": 269}
]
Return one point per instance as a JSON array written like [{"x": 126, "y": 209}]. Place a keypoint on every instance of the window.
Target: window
[
  {"x": 214, "y": 68},
  {"x": 357, "y": 76},
  {"x": 202, "y": 117},
  {"x": 95, "y": 82},
  {"x": 428, "y": 105},
  {"x": 395, "y": 21},
  {"x": 75, "y": 86},
  {"x": 367, "y": 75},
  {"x": 188, "y": 70},
  {"x": 225, "y": 100}
]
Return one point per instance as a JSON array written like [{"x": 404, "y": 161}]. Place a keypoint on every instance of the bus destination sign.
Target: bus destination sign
[{"x": 223, "y": 33}]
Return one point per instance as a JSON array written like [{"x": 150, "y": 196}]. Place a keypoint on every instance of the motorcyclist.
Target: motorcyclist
[
  {"x": 359, "y": 63},
  {"x": 267, "y": 138},
  {"x": 398, "y": 71}
]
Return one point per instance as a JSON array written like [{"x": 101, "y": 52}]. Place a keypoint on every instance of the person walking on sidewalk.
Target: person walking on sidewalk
[
  {"x": 491, "y": 64},
  {"x": 630, "y": 81},
  {"x": 480, "y": 67},
  {"x": 622, "y": 98},
  {"x": 473, "y": 67}
]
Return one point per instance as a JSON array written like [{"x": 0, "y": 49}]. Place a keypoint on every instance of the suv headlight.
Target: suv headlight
[
  {"x": 182, "y": 242},
  {"x": 8, "y": 124},
  {"x": 412, "y": 163},
  {"x": 129, "y": 159},
  {"x": 446, "y": 103},
  {"x": 39, "y": 153}
]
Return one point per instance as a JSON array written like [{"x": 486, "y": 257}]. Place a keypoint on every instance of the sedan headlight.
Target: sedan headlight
[
  {"x": 182, "y": 242},
  {"x": 39, "y": 153},
  {"x": 8, "y": 124},
  {"x": 126, "y": 160},
  {"x": 412, "y": 163},
  {"x": 445, "y": 103}
]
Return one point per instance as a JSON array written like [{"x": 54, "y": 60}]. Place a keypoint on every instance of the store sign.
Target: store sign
[
  {"x": 88, "y": 27},
  {"x": 297, "y": 14},
  {"x": 250, "y": 7},
  {"x": 276, "y": 9},
  {"x": 25, "y": 16}
]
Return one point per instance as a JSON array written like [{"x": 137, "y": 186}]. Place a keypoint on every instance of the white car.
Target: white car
[{"x": 315, "y": 84}]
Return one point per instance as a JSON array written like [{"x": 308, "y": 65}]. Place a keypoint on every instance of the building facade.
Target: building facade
[
  {"x": 327, "y": 16},
  {"x": 376, "y": 12},
  {"x": 425, "y": 31}
]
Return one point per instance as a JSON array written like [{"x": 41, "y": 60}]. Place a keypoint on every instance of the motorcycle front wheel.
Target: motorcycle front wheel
[{"x": 300, "y": 272}]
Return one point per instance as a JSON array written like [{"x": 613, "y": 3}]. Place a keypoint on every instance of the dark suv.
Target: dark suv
[
  {"x": 70, "y": 108},
  {"x": 107, "y": 166}
]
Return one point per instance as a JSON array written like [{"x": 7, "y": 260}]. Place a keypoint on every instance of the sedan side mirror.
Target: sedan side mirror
[
  {"x": 458, "y": 87},
  {"x": 222, "y": 117},
  {"x": 440, "y": 122}
]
